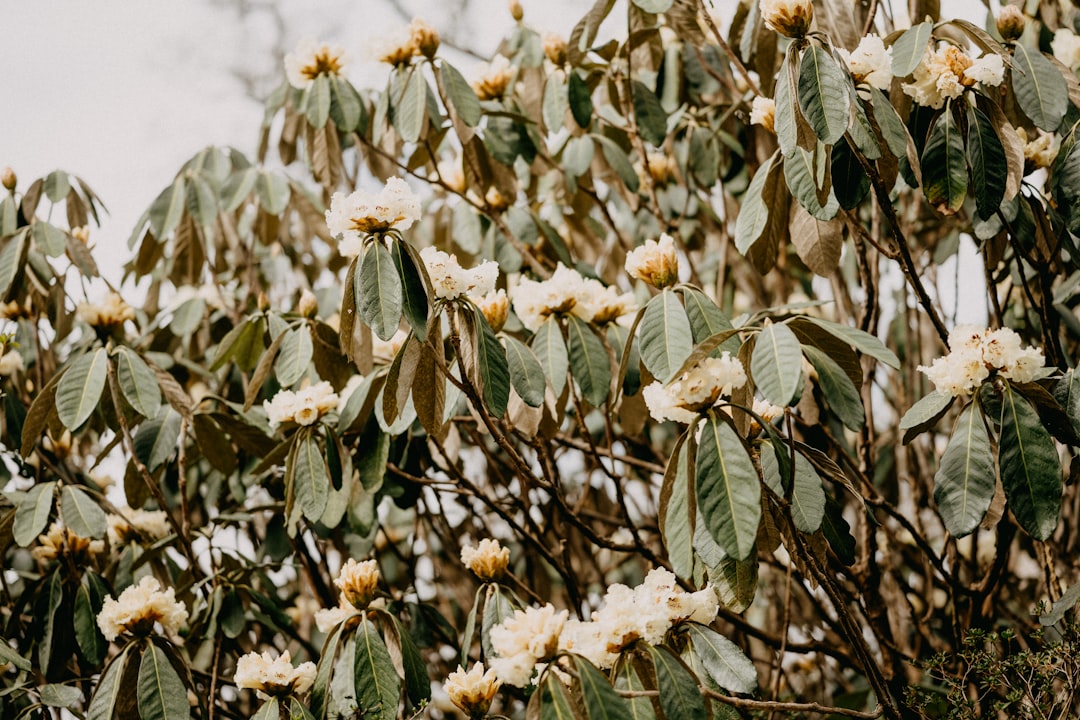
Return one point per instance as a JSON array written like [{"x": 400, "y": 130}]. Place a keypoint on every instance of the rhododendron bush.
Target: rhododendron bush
[{"x": 629, "y": 376}]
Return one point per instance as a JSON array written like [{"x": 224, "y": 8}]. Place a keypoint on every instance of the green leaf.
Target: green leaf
[
  {"x": 1067, "y": 394},
  {"x": 807, "y": 496},
  {"x": 321, "y": 685},
  {"x": 580, "y": 99},
  {"x": 577, "y": 155},
  {"x": 924, "y": 414},
  {"x": 909, "y": 48},
  {"x": 707, "y": 319},
  {"x": 346, "y": 107},
  {"x": 89, "y": 598},
  {"x": 626, "y": 678},
  {"x": 651, "y": 118},
  {"x": 380, "y": 291},
  {"x": 414, "y": 297},
  {"x": 616, "y": 157},
  {"x": 989, "y": 167},
  {"x": 317, "y": 102},
  {"x": 378, "y": 687},
  {"x": 237, "y": 188},
  {"x": 589, "y": 362},
  {"x": 526, "y": 374},
  {"x": 965, "y": 481},
  {"x": 864, "y": 342},
  {"x": 162, "y": 695},
  {"x": 838, "y": 389},
  {"x": 728, "y": 489},
  {"x": 804, "y": 172},
  {"x": 677, "y": 511},
  {"x": 492, "y": 369},
  {"x": 269, "y": 710},
  {"x": 554, "y": 702},
  {"x": 823, "y": 95},
  {"x": 80, "y": 389},
  {"x": 849, "y": 180},
  {"x": 679, "y": 693},
  {"x": 32, "y": 513},
  {"x": 600, "y": 699},
  {"x": 654, "y": 6},
  {"x": 1065, "y": 603},
  {"x": 273, "y": 191},
  {"x": 776, "y": 364},
  {"x": 53, "y": 598},
  {"x": 837, "y": 532},
  {"x": 411, "y": 108},
  {"x": 57, "y": 185},
  {"x": 555, "y": 103},
  {"x": 9, "y": 655},
  {"x": 311, "y": 480},
  {"x": 461, "y": 94},
  {"x": 295, "y": 355},
  {"x": 417, "y": 682},
  {"x": 138, "y": 383},
  {"x": 665, "y": 336},
  {"x": 49, "y": 238},
  {"x": 1030, "y": 466},
  {"x": 944, "y": 165},
  {"x": 1040, "y": 89},
  {"x": 155, "y": 440},
  {"x": 723, "y": 660},
  {"x": 59, "y": 696},
  {"x": 754, "y": 214},
  {"x": 168, "y": 208},
  {"x": 498, "y": 606},
  {"x": 550, "y": 349},
  {"x": 82, "y": 515},
  {"x": 109, "y": 688},
  {"x": 13, "y": 259}
]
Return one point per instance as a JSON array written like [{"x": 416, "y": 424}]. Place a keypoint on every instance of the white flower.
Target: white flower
[
  {"x": 311, "y": 59},
  {"x": 496, "y": 307},
  {"x": 767, "y": 410},
  {"x": 603, "y": 305},
  {"x": 1066, "y": 48},
  {"x": 111, "y": 313},
  {"x": 302, "y": 407},
  {"x": 762, "y": 112},
  {"x": 656, "y": 261},
  {"x": 11, "y": 362},
  {"x": 358, "y": 582},
  {"x": 134, "y": 525},
  {"x": 870, "y": 62},
  {"x": 695, "y": 391},
  {"x": 791, "y": 18},
  {"x": 488, "y": 561},
  {"x": 1041, "y": 151},
  {"x": 138, "y": 608},
  {"x": 945, "y": 74},
  {"x": 988, "y": 70},
  {"x": 355, "y": 216},
  {"x": 494, "y": 79},
  {"x": 451, "y": 281},
  {"x": 329, "y": 618},
  {"x": 567, "y": 292},
  {"x": 270, "y": 677},
  {"x": 520, "y": 641},
  {"x": 59, "y": 540},
  {"x": 386, "y": 350},
  {"x": 1025, "y": 365},
  {"x": 975, "y": 353},
  {"x": 472, "y": 691}
]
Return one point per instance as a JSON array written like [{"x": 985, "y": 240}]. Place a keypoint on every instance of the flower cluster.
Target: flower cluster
[
  {"x": 358, "y": 583},
  {"x": 138, "y": 608},
  {"x": 496, "y": 308},
  {"x": 134, "y": 525},
  {"x": 790, "y": 18},
  {"x": 1066, "y": 48},
  {"x": 870, "y": 62},
  {"x": 567, "y": 292},
  {"x": 311, "y": 59},
  {"x": 450, "y": 281},
  {"x": 270, "y": 677},
  {"x": 1039, "y": 152},
  {"x": 528, "y": 637},
  {"x": 655, "y": 262},
  {"x": 975, "y": 352},
  {"x": 355, "y": 216},
  {"x": 399, "y": 48},
  {"x": 945, "y": 74},
  {"x": 11, "y": 362},
  {"x": 494, "y": 79},
  {"x": 302, "y": 407},
  {"x": 646, "y": 613},
  {"x": 472, "y": 691},
  {"x": 695, "y": 391},
  {"x": 59, "y": 540},
  {"x": 488, "y": 561},
  {"x": 555, "y": 49},
  {"x": 111, "y": 313}
]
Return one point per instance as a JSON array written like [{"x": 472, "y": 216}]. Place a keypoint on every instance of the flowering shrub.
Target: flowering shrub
[{"x": 618, "y": 378}]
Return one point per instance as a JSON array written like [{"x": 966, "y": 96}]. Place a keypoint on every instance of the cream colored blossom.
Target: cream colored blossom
[
  {"x": 311, "y": 59},
  {"x": 988, "y": 70},
  {"x": 1066, "y": 48},
  {"x": 763, "y": 113},
  {"x": 61, "y": 540},
  {"x": 472, "y": 691},
  {"x": 535, "y": 301},
  {"x": 791, "y": 18},
  {"x": 974, "y": 353},
  {"x": 767, "y": 410},
  {"x": 303, "y": 407},
  {"x": 354, "y": 217},
  {"x": 656, "y": 262},
  {"x": 134, "y": 525},
  {"x": 695, "y": 391},
  {"x": 395, "y": 47},
  {"x": 385, "y": 351},
  {"x": 603, "y": 305},
  {"x": 273, "y": 677},
  {"x": 111, "y": 313},
  {"x": 945, "y": 74},
  {"x": 488, "y": 561},
  {"x": 494, "y": 79},
  {"x": 329, "y": 618},
  {"x": 358, "y": 582},
  {"x": 138, "y": 608},
  {"x": 555, "y": 49},
  {"x": 425, "y": 37},
  {"x": 524, "y": 639},
  {"x": 1011, "y": 22},
  {"x": 451, "y": 281},
  {"x": 11, "y": 362},
  {"x": 1040, "y": 152},
  {"x": 870, "y": 62},
  {"x": 496, "y": 307}
]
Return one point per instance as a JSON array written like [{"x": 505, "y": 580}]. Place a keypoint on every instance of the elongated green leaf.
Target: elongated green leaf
[
  {"x": 754, "y": 214},
  {"x": 13, "y": 259},
  {"x": 909, "y": 48},
  {"x": 1067, "y": 393},
  {"x": 88, "y": 602},
  {"x": 138, "y": 383},
  {"x": 1040, "y": 89},
  {"x": 679, "y": 693},
  {"x": 723, "y": 659},
  {"x": 49, "y": 239},
  {"x": 57, "y": 185},
  {"x": 550, "y": 350},
  {"x": 82, "y": 515},
  {"x": 707, "y": 319},
  {"x": 311, "y": 480},
  {"x": 580, "y": 99},
  {"x": 269, "y": 710},
  {"x": 654, "y": 6},
  {"x": 787, "y": 119},
  {"x": 1030, "y": 466},
  {"x": 526, "y": 374},
  {"x": 273, "y": 191},
  {"x": 109, "y": 688},
  {"x": 804, "y": 172},
  {"x": 498, "y": 606},
  {"x": 627, "y": 679},
  {"x": 678, "y": 511},
  {"x": 865, "y": 343},
  {"x": 554, "y": 702},
  {"x": 414, "y": 296},
  {"x": 823, "y": 95},
  {"x": 577, "y": 155},
  {"x": 491, "y": 369},
  {"x": 665, "y": 336},
  {"x": 965, "y": 480},
  {"x": 380, "y": 291},
  {"x": 728, "y": 489},
  {"x": 616, "y": 157},
  {"x": 317, "y": 102},
  {"x": 651, "y": 118},
  {"x": 32, "y": 514},
  {"x": 162, "y": 695},
  {"x": 327, "y": 658},
  {"x": 944, "y": 165},
  {"x": 155, "y": 440},
  {"x": 989, "y": 167},
  {"x": 53, "y": 598},
  {"x": 589, "y": 362},
  {"x": 59, "y": 696},
  {"x": 411, "y": 108},
  {"x": 924, "y": 414},
  {"x": 776, "y": 364},
  {"x": 600, "y": 699},
  {"x": 168, "y": 208},
  {"x": 378, "y": 687},
  {"x": 843, "y": 396},
  {"x": 807, "y": 496},
  {"x": 80, "y": 389},
  {"x": 346, "y": 107},
  {"x": 462, "y": 96},
  {"x": 295, "y": 355}
]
